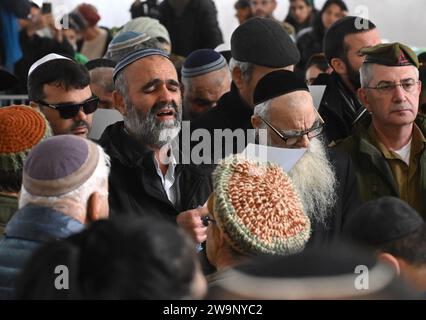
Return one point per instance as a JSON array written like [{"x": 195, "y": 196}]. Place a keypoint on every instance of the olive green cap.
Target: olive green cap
[{"x": 391, "y": 54}]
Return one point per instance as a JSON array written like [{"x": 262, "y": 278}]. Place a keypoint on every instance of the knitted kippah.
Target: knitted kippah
[
  {"x": 135, "y": 56},
  {"x": 201, "y": 62},
  {"x": 150, "y": 26},
  {"x": 257, "y": 208},
  {"x": 21, "y": 128},
  {"x": 127, "y": 39},
  {"x": 74, "y": 162}
]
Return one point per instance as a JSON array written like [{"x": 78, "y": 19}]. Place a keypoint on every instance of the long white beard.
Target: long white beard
[{"x": 314, "y": 178}]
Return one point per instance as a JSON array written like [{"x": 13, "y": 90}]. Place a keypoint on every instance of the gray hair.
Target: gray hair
[
  {"x": 366, "y": 74},
  {"x": 262, "y": 109},
  {"x": 121, "y": 85},
  {"x": 102, "y": 76},
  {"x": 245, "y": 67},
  {"x": 96, "y": 183}
]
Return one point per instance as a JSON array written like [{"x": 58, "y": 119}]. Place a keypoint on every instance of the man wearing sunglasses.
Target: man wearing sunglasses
[
  {"x": 60, "y": 88},
  {"x": 388, "y": 147},
  {"x": 323, "y": 178}
]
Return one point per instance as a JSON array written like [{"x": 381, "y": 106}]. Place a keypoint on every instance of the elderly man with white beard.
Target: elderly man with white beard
[
  {"x": 142, "y": 180},
  {"x": 323, "y": 178}
]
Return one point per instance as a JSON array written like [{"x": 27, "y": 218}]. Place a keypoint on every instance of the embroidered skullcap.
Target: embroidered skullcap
[{"x": 258, "y": 209}]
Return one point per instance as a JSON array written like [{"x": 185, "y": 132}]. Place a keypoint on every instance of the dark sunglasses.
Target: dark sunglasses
[{"x": 70, "y": 110}]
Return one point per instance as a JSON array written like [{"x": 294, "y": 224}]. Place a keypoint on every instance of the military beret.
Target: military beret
[
  {"x": 264, "y": 42},
  {"x": 382, "y": 221},
  {"x": 391, "y": 54},
  {"x": 277, "y": 83}
]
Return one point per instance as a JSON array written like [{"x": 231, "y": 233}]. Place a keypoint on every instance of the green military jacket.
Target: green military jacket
[
  {"x": 8, "y": 206},
  {"x": 374, "y": 175}
]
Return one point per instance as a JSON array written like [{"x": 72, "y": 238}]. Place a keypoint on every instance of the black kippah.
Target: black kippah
[
  {"x": 382, "y": 221},
  {"x": 277, "y": 83}
]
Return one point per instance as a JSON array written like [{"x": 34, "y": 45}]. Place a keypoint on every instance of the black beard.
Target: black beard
[{"x": 353, "y": 75}]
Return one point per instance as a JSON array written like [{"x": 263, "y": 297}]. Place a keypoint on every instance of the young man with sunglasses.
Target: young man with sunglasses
[
  {"x": 388, "y": 147},
  {"x": 60, "y": 88},
  {"x": 323, "y": 178}
]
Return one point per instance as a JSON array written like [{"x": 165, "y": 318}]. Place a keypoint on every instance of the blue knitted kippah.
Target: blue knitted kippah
[
  {"x": 135, "y": 56},
  {"x": 202, "y": 61}
]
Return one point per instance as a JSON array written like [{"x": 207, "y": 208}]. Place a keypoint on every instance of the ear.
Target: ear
[
  {"x": 362, "y": 95},
  {"x": 390, "y": 260},
  {"x": 255, "y": 122},
  {"x": 275, "y": 5},
  {"x": 338, "y": 65},
  {"x": 94, "y": 210},
  {"x": 118, "y": 102},
  {"x": 35, "y": 106},
  {"x": 237, "y": 77}
]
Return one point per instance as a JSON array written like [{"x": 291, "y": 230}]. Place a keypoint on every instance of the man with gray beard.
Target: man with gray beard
[
  {"x": 146, "y": 178},
  {"x": 323, "y": 178}
]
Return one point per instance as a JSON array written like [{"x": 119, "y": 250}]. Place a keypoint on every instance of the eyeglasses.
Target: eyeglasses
[
  {"x": 291, "y": 138},
  {"x": 408, "y": 86},
  {"x": 206, "y": 220},
  {"x": 70, "y": 110}
]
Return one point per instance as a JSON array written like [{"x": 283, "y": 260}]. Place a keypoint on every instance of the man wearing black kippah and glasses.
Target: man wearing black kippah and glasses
[
  {"x": 60, "y": 88},
  {"x": 324, "y": 179}
]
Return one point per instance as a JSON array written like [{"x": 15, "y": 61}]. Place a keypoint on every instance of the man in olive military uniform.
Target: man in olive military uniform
[{"x": 388, "y": 147}]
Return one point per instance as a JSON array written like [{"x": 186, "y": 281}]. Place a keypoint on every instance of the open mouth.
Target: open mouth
[{"x": 165, "y": 114}]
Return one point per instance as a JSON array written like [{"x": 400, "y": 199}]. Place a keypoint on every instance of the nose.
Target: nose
[
  {"x": 303, "y": 142},
  {"x": 399, "y": 94},
  {"x": 165, "y": 94},
  {"x": 80, "y": 115}
]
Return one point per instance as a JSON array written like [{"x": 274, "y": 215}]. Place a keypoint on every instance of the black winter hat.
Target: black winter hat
[{"x": 264, "y": 42}]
